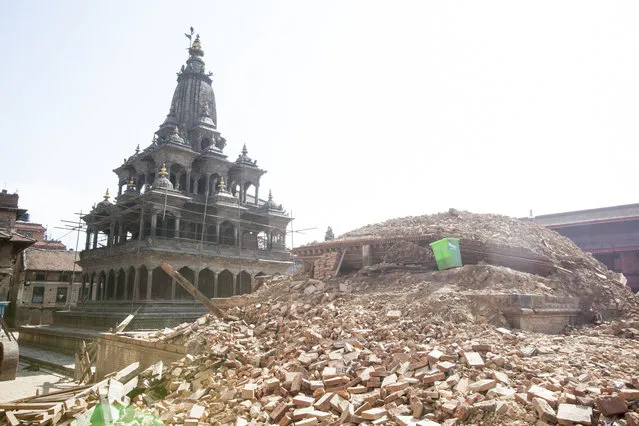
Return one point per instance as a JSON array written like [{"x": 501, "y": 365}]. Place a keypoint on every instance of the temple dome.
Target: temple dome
[{"x": 162, "y": 182}]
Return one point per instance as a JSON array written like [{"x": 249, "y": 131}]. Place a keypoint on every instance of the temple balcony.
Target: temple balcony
[{"x": 188, "y": 246}]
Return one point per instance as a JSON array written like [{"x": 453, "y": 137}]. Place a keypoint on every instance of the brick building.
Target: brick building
[
  {"x": 37, "y": 232},
  {"x": 610, "y": 234},
  {"x": 181, "y": 200},
  {"x": 44, "y": 281},
  {"x": 11, "y": 242}
]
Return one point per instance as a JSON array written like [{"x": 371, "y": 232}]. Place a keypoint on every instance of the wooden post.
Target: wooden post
[{"x": 179, "y": 278}]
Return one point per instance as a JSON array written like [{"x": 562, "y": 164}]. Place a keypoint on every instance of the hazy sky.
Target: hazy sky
[{"x": 360, "y": 110}]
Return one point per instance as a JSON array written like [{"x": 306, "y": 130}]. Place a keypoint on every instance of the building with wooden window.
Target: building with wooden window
[{"x": 44, "y": 281}]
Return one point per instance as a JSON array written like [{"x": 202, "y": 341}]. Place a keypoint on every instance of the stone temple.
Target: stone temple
[{"x": 180, "y": 200}]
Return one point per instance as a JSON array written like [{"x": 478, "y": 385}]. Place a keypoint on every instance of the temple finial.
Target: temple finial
[
  {"x": 106, "y": 195},
  {"x": 163, "y": 172},
  {"x": 196, "y": 47},
  {"x": 137, "y": 149},
  {"x": 244, "y": 150},
  {"x": 270, "y": 195},
  {"x": 190, "y": 36},
  {"x": 222, "y": 185}
]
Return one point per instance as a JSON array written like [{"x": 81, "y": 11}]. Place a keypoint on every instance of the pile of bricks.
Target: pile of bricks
[
  {"x": 324, "y": 267},
  {"x": 330, "y": 359}
]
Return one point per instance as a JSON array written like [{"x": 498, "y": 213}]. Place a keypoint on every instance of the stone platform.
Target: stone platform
[
  {"x": 537, "y": 312},
  {"x": 152, "y": 315},
  {"x": 63, "y": 340}
]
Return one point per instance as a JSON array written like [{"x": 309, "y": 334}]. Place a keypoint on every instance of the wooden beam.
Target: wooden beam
[
  {"x": 339, "y": 265},
  {"x": 120, "y": 327},
  {"x": 186, "y": 284}
]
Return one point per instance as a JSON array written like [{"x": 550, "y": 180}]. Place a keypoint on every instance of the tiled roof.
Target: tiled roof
[
  {"x": 49, "y": 260},
  {"x": 20, "y": 225},
  {"x": 21, "y": 238},
  {"x": 50, "y": 244}
]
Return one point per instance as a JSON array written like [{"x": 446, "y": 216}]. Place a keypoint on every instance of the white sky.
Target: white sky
[{"x": 360, "y": 110}]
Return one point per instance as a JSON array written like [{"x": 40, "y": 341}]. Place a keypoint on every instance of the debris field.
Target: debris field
[{"x": 392, "y": 344}]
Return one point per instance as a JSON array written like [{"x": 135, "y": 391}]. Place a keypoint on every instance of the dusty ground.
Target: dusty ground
[{"x": 29, "y": 382}]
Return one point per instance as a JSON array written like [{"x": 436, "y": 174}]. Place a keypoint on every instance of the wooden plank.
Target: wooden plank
[
  {"x": 120, "y": 327},
  {"x": 126, "y": 372},
  {"x": 52, "y": 394},
  {"x": 186, "y": 284},
  {"x": 339, "y": 265},
  {"x": 11, "y": 418},
  {"x": 27, "y": 405}
]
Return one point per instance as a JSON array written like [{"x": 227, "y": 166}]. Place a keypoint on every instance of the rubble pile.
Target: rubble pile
[
  {"x": 491, "y": 228},
  {"x": 407, "y": 253},
  {"x": 576, "y": 273},
  {"x": 332, "y": 359},
  {"x": 406, "y": 352}
]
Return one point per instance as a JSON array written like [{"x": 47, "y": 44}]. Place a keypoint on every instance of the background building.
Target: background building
[
  {"x": 11, "y": 242},
  {"x": 44, "y": 281},
  {"x": 611, "y": 234}
]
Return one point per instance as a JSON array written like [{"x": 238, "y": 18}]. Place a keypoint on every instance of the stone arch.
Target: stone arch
[
  {"x": 250, "y": 190},
  {"x": 120, "y": 283},
  {"x": 102, "y": 279},
  {"x": 277, "y": 239},
  {"x": 214, "y": 181},
  {"x": 262, "y": 241},
  {"x": 142, "y": 284},
  {"x": 92, "y": 285},
  {"x": 83, "y": 289},
  {"x": 109, "y": 288},
  {"x": 165, "y": 226},
  {"x": 249, "y": 240},
  {"x": 130, "y": 283},
  {"x": 176, "y": 171},
  {"x": 201, "y": 185},
  {"x": 161, "y": 285},
  {"x": 225, "y": 284},
  {"x": 233, "y": 187},
  {"x": 206, "y": 282},
  {"x": 205, "y": 143},
  {"x": 243, "y": 282},
  {"x": 227, "y": 233},
  {"x": 210, "y": 234},
  {"x": 180, "y": 292}
]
